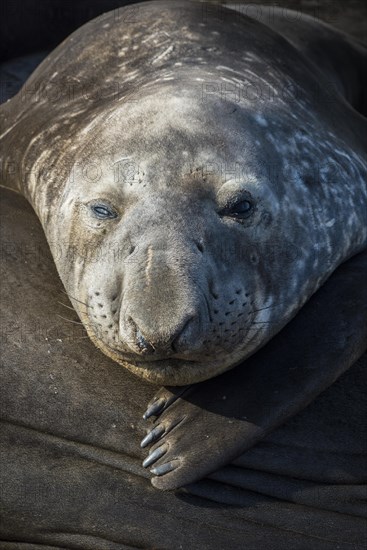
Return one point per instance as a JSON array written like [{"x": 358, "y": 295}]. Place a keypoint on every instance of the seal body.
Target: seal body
[{"x": 197, "y": 178}]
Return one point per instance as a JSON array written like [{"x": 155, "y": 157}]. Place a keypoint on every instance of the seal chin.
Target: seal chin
[
  {"x": 172, "y": 371},
  {"x": 175, "y": 372}
]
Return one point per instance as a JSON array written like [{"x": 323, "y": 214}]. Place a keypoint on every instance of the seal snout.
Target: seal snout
[{"x": 147, "y": 342}]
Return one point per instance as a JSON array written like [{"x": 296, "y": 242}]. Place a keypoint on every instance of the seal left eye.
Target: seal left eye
[
  {"x": 103, "y": 211},
  {"x": 240, "y": 210}
]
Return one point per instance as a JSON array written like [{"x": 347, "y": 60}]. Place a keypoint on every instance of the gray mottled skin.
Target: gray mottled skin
[{"x": 169, "y": 119}]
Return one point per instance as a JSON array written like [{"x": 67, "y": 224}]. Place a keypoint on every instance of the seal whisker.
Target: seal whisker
[
  {"x": 69, "y": 320},
  {"x": 72, "y": 297},
  {"x": 68, "y": 307},
  {"x": 267, "y": 307},
  {"x": 76, "y": 337}
]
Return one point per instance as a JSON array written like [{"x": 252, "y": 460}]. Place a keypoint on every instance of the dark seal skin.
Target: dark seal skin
[{"x": 195, "y": 193}]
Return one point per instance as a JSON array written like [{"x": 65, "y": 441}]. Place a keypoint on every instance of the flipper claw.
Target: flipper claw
[
  {"x": 152, "y": 436},
  {"x": 155, "y": 408},
  {"x": 155, "y": 455},
  {"x": 165, "y": 468}
]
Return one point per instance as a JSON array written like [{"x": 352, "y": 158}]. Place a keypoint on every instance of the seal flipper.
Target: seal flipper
[{"x": 203, "y": 427}]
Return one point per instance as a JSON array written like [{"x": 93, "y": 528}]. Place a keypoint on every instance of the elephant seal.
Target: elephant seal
[
  {"x": 70, "y": 460},
  {"x": 197, "y": 179},
  {"x": 335, "y": 335}
]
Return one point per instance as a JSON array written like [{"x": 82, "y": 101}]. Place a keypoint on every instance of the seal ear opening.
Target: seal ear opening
[{"x": 223, "y": 417}]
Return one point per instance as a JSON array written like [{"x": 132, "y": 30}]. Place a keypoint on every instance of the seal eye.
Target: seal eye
[
  {"x": 103, "y": 212},
  {"x": 240, "y": 210}
]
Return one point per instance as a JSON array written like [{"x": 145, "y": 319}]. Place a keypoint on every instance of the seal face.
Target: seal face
[{"x": 195, "y": 193}]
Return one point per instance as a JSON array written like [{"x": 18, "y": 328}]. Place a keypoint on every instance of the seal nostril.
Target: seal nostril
[
  {"x": 200, "y": 247},
  {"x": 138, "y": 338},
  {"x": 131, "y": 250},
  {"x": 143, "y": 345}
]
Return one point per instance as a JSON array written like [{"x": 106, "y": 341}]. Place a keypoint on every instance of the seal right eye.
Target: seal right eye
[
  {"x": 241, "y": 210},
  {"x": 103, "y": 212}
]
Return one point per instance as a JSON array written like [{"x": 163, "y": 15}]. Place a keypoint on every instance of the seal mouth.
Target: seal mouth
[
  {"x": 172, "y": 370},
  {"x": 168, "y": 372},
  {"x": 172, "y": 361},
  {"x": 151, "y": 359}
]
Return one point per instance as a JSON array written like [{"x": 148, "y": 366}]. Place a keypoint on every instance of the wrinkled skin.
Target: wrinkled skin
[{"x": 176, "y": 286}]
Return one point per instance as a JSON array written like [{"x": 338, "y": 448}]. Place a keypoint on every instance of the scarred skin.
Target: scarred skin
[{"x": 233, "y": 173}]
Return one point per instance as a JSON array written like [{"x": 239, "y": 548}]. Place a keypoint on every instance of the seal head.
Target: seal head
[{"x": 190, "y": 259}]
